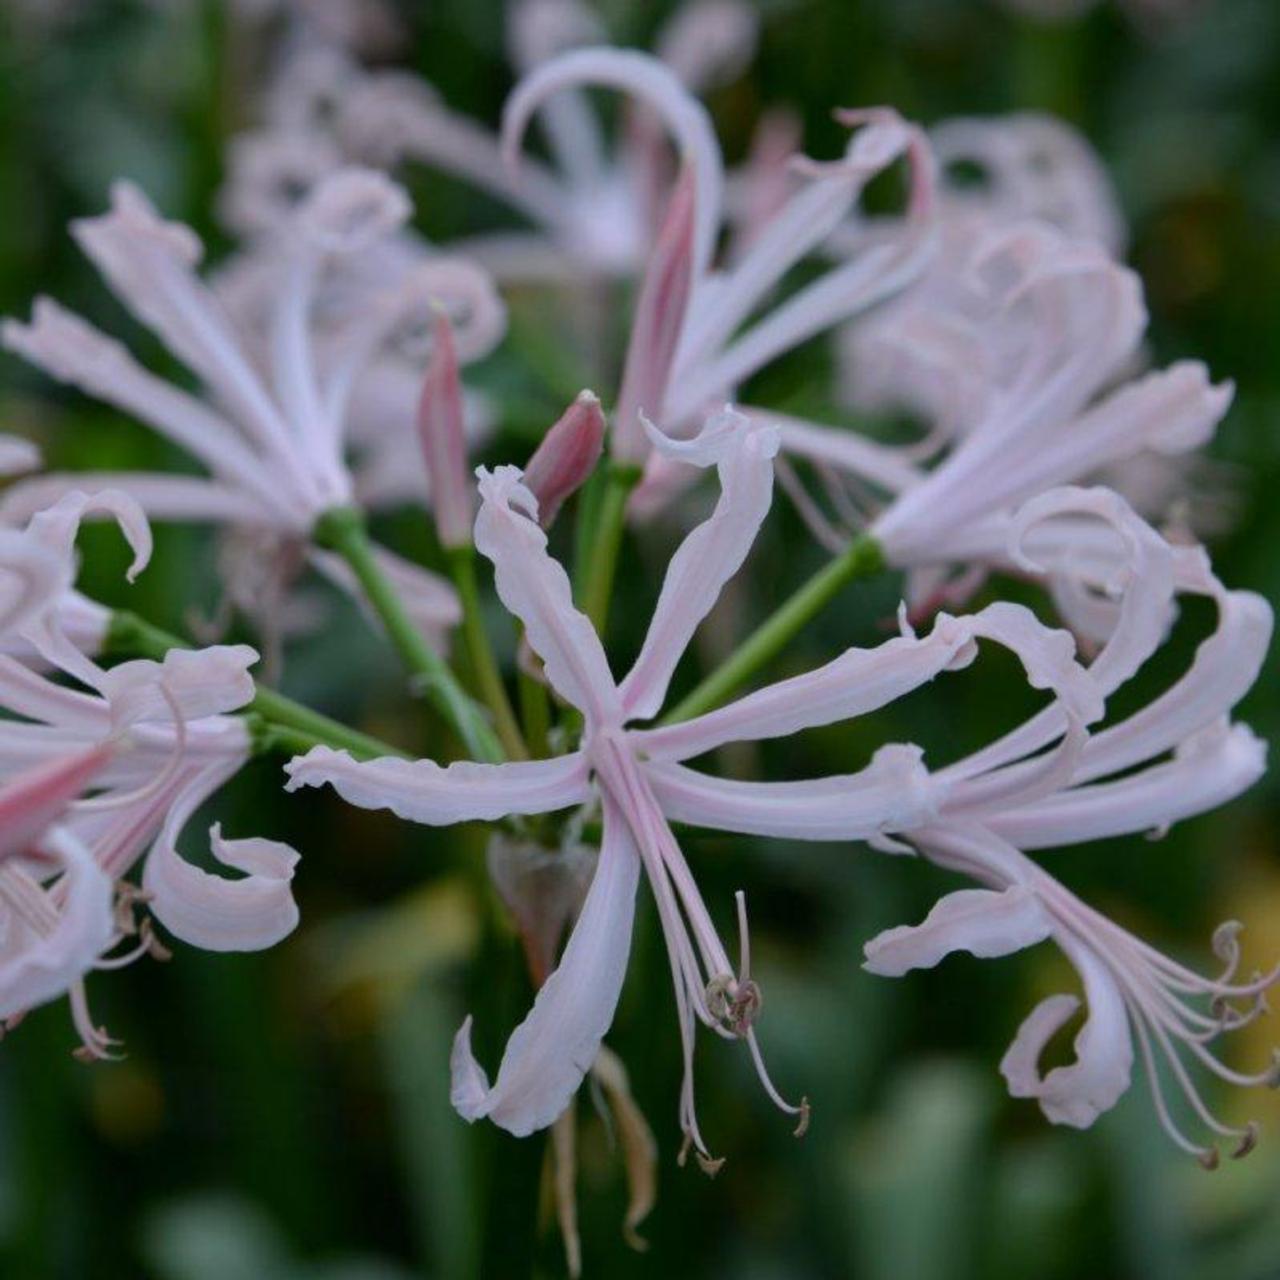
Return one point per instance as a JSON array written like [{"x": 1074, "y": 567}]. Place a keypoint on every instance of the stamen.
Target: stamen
[{"x": 1248, "y": 1142}]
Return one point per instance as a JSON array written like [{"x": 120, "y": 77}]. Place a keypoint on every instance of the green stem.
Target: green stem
[
  {"x": 535, "y": 712},
  {"x": 606, "y": 540},
  {"x": 860, "y": 559},
  {"x": 484, "y": 669},
  {"x": 288, "y": 725},
  {"x": 343, "y": 530}
]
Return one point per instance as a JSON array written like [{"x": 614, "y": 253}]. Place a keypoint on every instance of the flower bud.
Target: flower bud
[
  {"x": 659, "y": 319},
  {"x": 443, "y": 444},
  {"x": 566, "y": 457}
]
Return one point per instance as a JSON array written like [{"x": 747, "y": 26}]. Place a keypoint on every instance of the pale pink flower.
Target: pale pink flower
[
  {"x": 169, "y": 743},
  {"x": 272, "y": 438},
  {"x": 594, "y": 206},
  {"x": 1177, "y": 756},
  {"x": 636, "y": 776},
  {"x": 1025, "y": 399},
  {"x": 404, "y": 282},
  {"x": 723, "y": 337}
]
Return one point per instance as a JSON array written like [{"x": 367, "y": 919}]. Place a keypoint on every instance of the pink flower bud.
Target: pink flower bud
[
  {"x": 443, "y": 443},
  {"x": 659, "y": 318},
  {"x": 566, "y": 457}
]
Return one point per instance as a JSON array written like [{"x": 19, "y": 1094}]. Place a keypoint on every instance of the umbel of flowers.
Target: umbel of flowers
[{"x": 1007, "y": 325}]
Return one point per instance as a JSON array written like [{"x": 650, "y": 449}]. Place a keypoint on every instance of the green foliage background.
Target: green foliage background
[{"x": 286, "y": 1115}]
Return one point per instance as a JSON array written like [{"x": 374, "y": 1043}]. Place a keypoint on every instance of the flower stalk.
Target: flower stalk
[
  {"x": 862, "y": 558},
  {"x": 484, "y": 667},
  {"x": 343, "y": 530},
  {"x": 606, "y": 540}
]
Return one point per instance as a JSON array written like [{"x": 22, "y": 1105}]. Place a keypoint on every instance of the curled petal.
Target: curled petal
[
  {"x": 656, "y": 87},
  {"x": 1077, "y": 1094},
  {"x": 983, "y": 922},
  {"x": 536, "y": 589},
  {"x": 709, "y": 556},
  {"x": 216, "y": 913},
  {"x": 423, "y": 791},
  {"x": 352, "y": 209},
  {"x": 194, "y": 682},
  {"x": 57, "y": 526},
  {"x": 891, "y": 794},
  {"x": 551, "y": 1051},
  {"x": 39, "y": 965}
]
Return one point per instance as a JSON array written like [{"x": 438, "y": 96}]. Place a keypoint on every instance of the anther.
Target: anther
[
  {"x": 803, "y": 1126},
  {"x": 1208, "y": 1159},
  {"x": 1248, "y": 1140}
]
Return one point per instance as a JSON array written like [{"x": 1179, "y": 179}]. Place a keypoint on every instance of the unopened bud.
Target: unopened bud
[
  {"x": 567, "y": 456},
  {"x": 443, "y": 443},
  {"x": 658, "y": 322}
]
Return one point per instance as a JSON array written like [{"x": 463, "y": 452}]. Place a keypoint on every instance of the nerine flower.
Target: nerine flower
[
  {"x": 155, "y": 741},
  {"x": 1025, "y": 398},
  {"x": 593, "y": 209},
  {"x": 1177, "y": 756},
  {"x": 273, "y": 438},
  {"x": 699, "y": 331},
  {"x": 636, "y": 777}
]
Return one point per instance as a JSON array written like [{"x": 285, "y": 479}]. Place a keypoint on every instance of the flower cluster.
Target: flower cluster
[{"x": 334, "y": 366}]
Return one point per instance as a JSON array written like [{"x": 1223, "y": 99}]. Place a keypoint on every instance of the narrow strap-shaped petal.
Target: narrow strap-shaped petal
[
  {"x": 212, "y": 911},
  {"x": 150, "y": 264},
  {"x": 709, "y": 556},
  {"x": 69, "y": 348},
  {"x": 423, "y": 791},
  {"x": 34, "y": 798},
  {"x": 1214, "y": 766},
  {"x": 891, "y": 794},
  {"x": 708, "y": 42},
  {"x": 536, "y": 589},
  {"x": 883, "y": 465},
  {"x": 38, "y": 967},
  {"x": 858, "y": 681},
  {"x": 162, "y": 497},
  {"x": 983, "y": 922},
  {"x": 1078, "y": 1093},
  {"x": 657, "y": 88},
  {"x": 32, "y": 579},
  {"x": 551, "y": 1051},
  {"x": 393, "y": 114}
]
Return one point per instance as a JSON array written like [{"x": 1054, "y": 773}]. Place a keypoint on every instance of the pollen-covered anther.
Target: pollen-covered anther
[
  {"x": 802, "y": 1127},
  {"x": 746, "y": 1008},
  {"x": 710, "y": 1165},
  {"x": 1248, "y": 1141}
]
